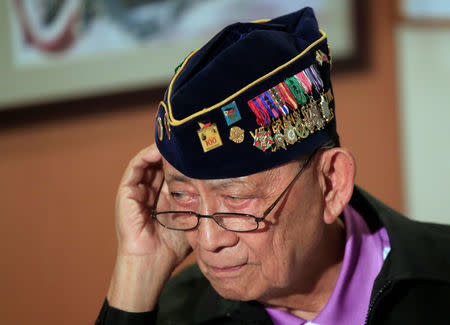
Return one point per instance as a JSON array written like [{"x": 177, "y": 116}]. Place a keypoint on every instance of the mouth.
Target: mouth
[{"x": 226, "y": 270}]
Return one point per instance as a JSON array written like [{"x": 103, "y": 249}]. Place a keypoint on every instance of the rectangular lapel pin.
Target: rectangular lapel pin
[{"x": 231, "y": 113}]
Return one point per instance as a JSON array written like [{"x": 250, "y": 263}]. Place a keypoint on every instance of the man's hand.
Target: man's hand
[
  {"x": 138, "y": 233},
  {"x": 147, "y": 252}
]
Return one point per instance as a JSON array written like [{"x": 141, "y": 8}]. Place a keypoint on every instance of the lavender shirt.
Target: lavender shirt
[{"x": 363, "y": 258}]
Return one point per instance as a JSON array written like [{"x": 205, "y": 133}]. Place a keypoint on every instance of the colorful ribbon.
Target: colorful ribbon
[
  {"x": 262, "y": 117},
  {"x": 314, "y": 76},
  {"x": 304, "y": 82},
  {"x": 278, "y": 100},
  {"x": 287, "y": 96}
]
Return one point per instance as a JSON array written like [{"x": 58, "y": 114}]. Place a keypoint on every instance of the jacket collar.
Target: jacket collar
[{"x": 418, "y": 250}]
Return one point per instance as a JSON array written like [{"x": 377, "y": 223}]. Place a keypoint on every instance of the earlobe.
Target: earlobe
[{"x": 337, "y": 170}]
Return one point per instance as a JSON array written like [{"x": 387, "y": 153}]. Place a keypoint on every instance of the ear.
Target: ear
[{"x": 337, "y": 170}]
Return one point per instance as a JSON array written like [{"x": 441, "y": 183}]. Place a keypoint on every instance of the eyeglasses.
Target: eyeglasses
[{"x": 237, "y": 222}]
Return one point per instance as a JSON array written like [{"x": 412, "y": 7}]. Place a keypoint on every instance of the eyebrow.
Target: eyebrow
[
  {"x": 178, "y": 178},
  {"x": 224, "y": 184}
]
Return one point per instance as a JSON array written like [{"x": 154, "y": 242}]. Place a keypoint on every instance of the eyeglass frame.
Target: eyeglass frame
[{"x": 198, "y": 215}]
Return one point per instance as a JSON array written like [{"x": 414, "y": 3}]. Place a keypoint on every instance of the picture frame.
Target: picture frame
[
  {"x": 424, "y": 13},
  {"x": 61, "y": 78}
]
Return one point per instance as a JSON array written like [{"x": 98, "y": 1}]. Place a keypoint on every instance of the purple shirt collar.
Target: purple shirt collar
[{"x": 363, "y": 258}]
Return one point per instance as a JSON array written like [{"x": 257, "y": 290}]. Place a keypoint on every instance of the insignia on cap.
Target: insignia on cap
[
  {"x": 262, "y": 139},
  {"x": 331, "y": 56},
  {"x": 231, "y": 113},
  {"x": 167, "y": 127},
  {"x": 237, "y": 134},
  {"x": 321, "y": 57},
  {"x": 209, "y": 136},
  {"x": 159, "y": 129}
]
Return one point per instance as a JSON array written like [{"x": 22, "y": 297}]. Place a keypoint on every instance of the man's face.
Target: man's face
[{"x": 273, "y": 261}]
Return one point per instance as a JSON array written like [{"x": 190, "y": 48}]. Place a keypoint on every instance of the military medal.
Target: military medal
[
  {"x": 159, "y": 129},
  {"x": 278, "y": 136},
  {"x": 262, "y": 140},
  {"x": 289, "y": 133},
  {"x": 325, "y": 108},
  {"x": 316, "y": 116},
  {"x": 237, "y": 134},
  {"x": 276, "y": 110},
  {"x": 279, "y": 142},
  {"x": 301, "y": 130},
  {"x": 307, "y": 114},
  {"x": 209, "y": 136}
]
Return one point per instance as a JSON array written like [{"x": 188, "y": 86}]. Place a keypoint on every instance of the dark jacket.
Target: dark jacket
[{"x": 413, "y": 286}]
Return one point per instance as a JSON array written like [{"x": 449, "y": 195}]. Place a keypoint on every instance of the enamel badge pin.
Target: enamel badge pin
[
  {"x": 262, "y": 140},
  {"x": 231, "y": 113},
  {"x": 209, "y": 136}
]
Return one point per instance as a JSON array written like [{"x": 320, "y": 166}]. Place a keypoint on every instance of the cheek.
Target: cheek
[
  {"x": 191, "y": 237},
  {"x": 287, "y": 252},
  {"x": 267, "y": 255},
  {"x": 277, "y": 260}
]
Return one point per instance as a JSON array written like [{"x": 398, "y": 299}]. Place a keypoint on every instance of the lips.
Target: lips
[{"x": 226, "y": 269}]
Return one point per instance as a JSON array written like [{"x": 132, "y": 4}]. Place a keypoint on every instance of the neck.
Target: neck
[{"x": 314, "y": 286}]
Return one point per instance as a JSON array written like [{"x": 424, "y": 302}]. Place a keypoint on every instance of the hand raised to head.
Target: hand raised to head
[{"x": 138, "y": 233}]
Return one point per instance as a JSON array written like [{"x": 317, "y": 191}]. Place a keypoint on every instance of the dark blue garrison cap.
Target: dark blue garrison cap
[{"x": 256, "y": 96}]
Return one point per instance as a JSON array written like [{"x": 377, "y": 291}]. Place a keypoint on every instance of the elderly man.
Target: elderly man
[{"x": 247, "y": 173}]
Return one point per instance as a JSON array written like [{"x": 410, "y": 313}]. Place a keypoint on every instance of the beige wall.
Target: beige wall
[{"x": 58, "y": 181}]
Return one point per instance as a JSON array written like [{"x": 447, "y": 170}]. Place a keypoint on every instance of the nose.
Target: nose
[{"x": 213, "y": 238}]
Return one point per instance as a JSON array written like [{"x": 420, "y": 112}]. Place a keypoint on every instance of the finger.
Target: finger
[
  {"x": 138, "y": 193},
  {"x": 151, "y": 154},
  {"x": 136, "y": 168},
  {"x": 150, "y": 177}
]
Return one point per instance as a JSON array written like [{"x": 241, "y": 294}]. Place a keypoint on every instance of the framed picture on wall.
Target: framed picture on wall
[
  {"x": 419, "y": 10},
  {"x": 66, "y": 49}
]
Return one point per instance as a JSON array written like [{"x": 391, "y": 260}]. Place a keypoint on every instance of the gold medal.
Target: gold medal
[
  {"x": 289, "y": 133},
  {"x": 307, "y": 121},
  {"x": 325, "y": 108},
  {"x": 278, "y": 137},
  {"x": 316, "y": 116},
  {"x": 209, "y": 136},
  {"x": 280, "y": 142},
  {"x": 300, "y": 128},
  {"x": 237, "y": 134}
]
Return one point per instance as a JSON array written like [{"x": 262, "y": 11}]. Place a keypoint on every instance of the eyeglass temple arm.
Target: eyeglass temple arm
[
  {"x": 281, "y": 195},
  {"x": 288, "y": 187},
  {"x": 157, "y": 197}
]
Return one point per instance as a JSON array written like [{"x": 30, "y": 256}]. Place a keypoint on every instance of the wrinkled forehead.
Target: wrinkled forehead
[{"x": 261, "y": 179}]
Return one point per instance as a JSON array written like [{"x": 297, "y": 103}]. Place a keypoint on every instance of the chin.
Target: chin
[{"x": 235, "y": 291}]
